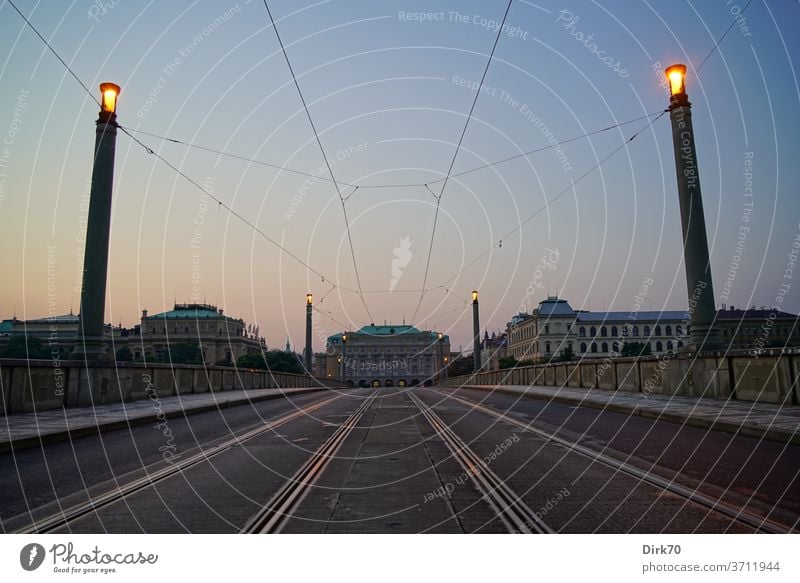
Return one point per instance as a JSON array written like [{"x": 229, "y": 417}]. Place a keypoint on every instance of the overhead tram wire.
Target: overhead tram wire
[
  {"x": 324, "y": 157},
  {"x": 455, "y": 156},
  {"x": 561, "y": 193},
  {"x": 230, "y": 210},
  {"x": 425, "y": 185},
  {"x": 716, "y": 44},
  {"x": 172, "y": 166}
]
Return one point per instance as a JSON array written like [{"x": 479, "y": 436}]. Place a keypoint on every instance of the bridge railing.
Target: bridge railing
[
  {"x": 38, "y": 385},
  {"x": 771, "y": 376}
]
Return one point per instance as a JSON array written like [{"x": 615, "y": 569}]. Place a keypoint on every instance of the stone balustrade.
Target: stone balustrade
[
  {"x": 773, "y": 376},
  {"x": 38, "y": 385}
]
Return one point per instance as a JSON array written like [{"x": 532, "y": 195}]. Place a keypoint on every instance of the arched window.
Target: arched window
[
  {"x": 624, "y": 330},
  {"x": 636, "y": 330},
  {"x": 659, "y": 346},
  {"x": 669, "y": 345},
  {"x": 592, "y": 331},
  {"x": 616, "y": 347},
  {"x": 647, "y": 331},
  {"x": 678, "y": 330},
  {"x": 680, "y": 344},
  {"x": 547, "y": 347},
  {"x": 603, "y": 332},
  {"x": 583, "y": 347},
  {"x": 668, "y": 330},
  {"x": 614, "y": 331},
  {"x": 594, "y": 347},
  {"x": 658, "y": 331},
  {"x": 582, "y": 332},
  {"x": 604, "y": 347}
]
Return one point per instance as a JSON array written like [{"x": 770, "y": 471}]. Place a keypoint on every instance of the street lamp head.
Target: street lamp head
[
  {"x": 676, "y": 77},
  {"x": 344, "y": 337},
  {"x": 474, "y": 295},
  {"x": 309, "y": 299},
  {"x": 109, "y": 93},
  {"x": 441, "y": 335}
]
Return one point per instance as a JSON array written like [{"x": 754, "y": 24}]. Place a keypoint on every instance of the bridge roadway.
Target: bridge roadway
[{"x": 404, "y": 460}]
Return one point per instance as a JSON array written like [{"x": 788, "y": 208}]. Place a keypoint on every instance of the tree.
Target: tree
[
  {"x": 25, "y": 347},
  {"x": 280, "y": 361},
  {"x": 251, "y": 361},
  {"x": 184, "y": 353},
  {"x": 636, "y": 349},
  {"x": 507, "y": 361},
  {"x": 567, "y": 354},
  {"x": 124, "y": 354}
]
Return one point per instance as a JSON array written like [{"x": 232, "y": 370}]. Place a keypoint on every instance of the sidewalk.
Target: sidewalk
[
  {"x": 28, "y": 430},
  {"x": 759, "y": 420}
]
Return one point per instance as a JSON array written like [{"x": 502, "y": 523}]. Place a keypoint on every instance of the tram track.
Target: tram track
[
  {"x": 514, "y": 513},
  {"x": 78, "y": 511},
  {"x": 282, "y": 506},
  {"x": 737, "y": 514}
]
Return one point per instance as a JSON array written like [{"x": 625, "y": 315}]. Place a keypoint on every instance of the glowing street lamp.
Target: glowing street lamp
[
  {"x": 704, "y": 334},
  {"x": 676, "y": 77},
  {"x": 109, "y": 93},
  {"x": 91, "y": 344}
]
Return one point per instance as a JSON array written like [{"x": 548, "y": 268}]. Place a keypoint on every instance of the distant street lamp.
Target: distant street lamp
[
  {"x": 704, "y": 334},
  {"x": 476, "y": 332},
  {"x": 91, "y": 344},
  {"x": 308, "y": 353}
]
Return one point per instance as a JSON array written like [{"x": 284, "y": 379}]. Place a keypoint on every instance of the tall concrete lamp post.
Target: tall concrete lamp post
[
  {"x": 476, "y": 331},
  {"x": 308, "y": 353},
  {"x": 704, "y": 334},
  {"x": 91, "y": 345}
]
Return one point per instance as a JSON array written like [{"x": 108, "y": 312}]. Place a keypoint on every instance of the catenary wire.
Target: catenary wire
[
  {"x": 324, "y": 157},
  {"x": 541, "y": 209},
  {"x": 455, "y": 157}
]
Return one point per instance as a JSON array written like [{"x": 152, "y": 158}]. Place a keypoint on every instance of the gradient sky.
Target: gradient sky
[{"x": 385, "y": 94}]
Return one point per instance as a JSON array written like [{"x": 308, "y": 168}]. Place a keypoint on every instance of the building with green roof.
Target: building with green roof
[{"x": 391, "y": 355}]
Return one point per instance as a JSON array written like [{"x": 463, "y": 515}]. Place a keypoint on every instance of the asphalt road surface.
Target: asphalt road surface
[{"x": 407, "y": 461}]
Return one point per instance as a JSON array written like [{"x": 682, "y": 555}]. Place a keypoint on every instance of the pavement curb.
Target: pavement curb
[
  {"x": 745, "y": 429},
  {"x": 88, "y": 430}
]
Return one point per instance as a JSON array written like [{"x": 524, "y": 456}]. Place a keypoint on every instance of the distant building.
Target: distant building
[
  {"x": 387, "y": 356},
  {"x": 758, "y": 328},
  {"x": 493, "y": 348},
  {"x": 555, "y": 327},
  {"x": 58, "y": 334},
  {"x": 220, "y": 337}
]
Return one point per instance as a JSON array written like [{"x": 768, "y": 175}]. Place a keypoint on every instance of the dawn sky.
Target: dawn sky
[{"x": 389, "y": 86}]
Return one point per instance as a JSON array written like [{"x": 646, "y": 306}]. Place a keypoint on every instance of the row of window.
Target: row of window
[
  {"x": 632, "y": 331},
  {"x": 659, "y": 346}
]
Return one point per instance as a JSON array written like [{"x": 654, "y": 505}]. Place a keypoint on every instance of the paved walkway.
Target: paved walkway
[
  {"x": 761, "y": 420},
  {"x": 32, "y": 429}
]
